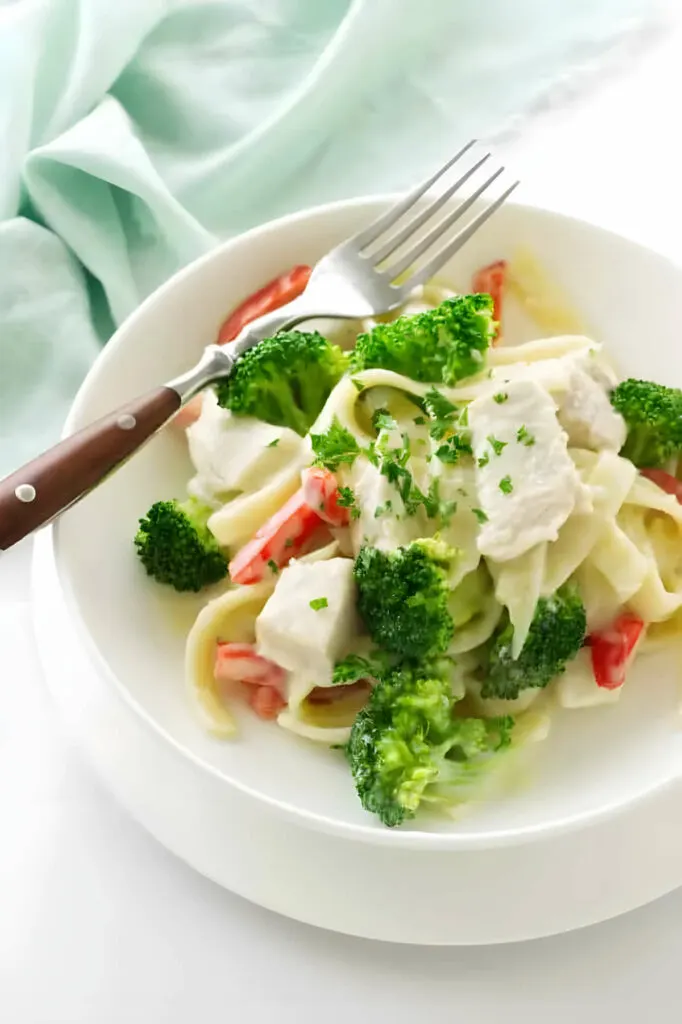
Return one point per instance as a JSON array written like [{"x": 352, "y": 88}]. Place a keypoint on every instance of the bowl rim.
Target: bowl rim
[{"x": 400, "y": 838}]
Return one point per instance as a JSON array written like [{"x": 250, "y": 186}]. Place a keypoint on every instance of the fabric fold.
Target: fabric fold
[{"x": 138, "y": 134}]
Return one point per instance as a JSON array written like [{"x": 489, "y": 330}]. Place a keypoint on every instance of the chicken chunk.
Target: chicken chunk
[
  {"x": 310, "y": 620},
  {"x": 527, "y": 482}
]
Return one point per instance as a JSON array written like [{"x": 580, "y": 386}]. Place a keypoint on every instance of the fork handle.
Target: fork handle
[
  {"x": 40, "y": 490},
  {"x": 44, "y": 488}
]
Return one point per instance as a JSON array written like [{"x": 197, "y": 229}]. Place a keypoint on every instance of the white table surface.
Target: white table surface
[{"x": 99, "y": 924}]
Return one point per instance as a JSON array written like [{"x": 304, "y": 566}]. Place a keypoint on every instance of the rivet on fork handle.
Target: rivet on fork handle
[{"x": 40, "y": 490}]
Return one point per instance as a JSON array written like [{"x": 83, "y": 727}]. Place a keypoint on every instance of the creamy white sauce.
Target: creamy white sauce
[{"x": 577, "y": 688}]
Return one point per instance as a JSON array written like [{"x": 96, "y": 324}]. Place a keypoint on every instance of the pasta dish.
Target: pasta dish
[{"x": 416, "y": 537}]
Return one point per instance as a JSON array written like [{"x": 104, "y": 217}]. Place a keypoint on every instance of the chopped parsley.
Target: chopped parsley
[
  {"x": 506, "y": 485},
  {"x": 435, "y": 507},
  {"x": 484, "y": 460},
  {"x": 272, "y": 565},
  {"x": 453, "y": 448},
  {"x": 523, "y": 436},
  {"x": 419, "y": 420},
  {"x": 500, "y": 397},
  {"x": 446, "y": 509},
  {"x": 439, "y": 429},
  {"x": 273, "y": 443},
  {"x": 371, "y": 452},
  {"x": 432, "y": 504},
  {"x": 438, "y": 406},
  {"x": 382, "y": 420},
  {"x": 357, "y": 384},
  {"x": 392, "y": 464},
  {"x": 346, "y": 499},
  {"x": 318, "y": 603},
  {"x": 480, "y": 515},
  {"x": 441, "y": 411},
  {"x": 289, "y": 542},
  {"x": 336, "y": 447},
  {"x": 497, "y": 446}
]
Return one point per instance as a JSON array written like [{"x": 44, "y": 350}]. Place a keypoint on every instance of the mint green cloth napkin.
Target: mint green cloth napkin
[{"x": 136, "y": 134}]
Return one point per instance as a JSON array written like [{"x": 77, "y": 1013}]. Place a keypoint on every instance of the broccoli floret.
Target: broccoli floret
[
  {"x": 406, "y": 746},
  {"x": 653, "y": 415},
  {"x": 354, "y": 667},
  {"x": 284, "y": 380},
  {"x": 555, "y": 636},
  {"x": 175, "y": 545},
  {"x": 403, "y": 597},
  {"x": 441, "y": 345}
]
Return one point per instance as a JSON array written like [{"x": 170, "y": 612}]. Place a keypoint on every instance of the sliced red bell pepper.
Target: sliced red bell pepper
[
  {"x": 492, "y": 280},
  {"x": 275, "y": 293},
  {"x": 283, "y": 537},
  {"x": 264, "y": 680},
  {"x": 288, "y": 533},
  {"x": 667, "y": 482},
  {"x": 240, "y": 663},
  {"x": 322, "y": 493},
  {"x": 266, "y": 701},
  {"x": 612, "y": 650}
]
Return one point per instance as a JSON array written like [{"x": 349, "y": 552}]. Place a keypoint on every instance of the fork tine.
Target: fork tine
[
  {"x": 425, "y": 243},
  {"x": 386, "y": 220},
  {"x": 461, "y": 238},
  {"x": 397, "y": 240}
]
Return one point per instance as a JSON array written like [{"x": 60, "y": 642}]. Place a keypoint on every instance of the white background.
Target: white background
[{"x": 99, "y": 924}]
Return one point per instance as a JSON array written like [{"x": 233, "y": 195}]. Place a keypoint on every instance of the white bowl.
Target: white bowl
[{"x": 595, "y": 763}]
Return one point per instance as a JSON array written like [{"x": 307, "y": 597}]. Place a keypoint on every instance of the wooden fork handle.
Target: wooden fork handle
[{"x": 58, "y": 478}]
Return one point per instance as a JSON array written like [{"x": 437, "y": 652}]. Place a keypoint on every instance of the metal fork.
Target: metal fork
[{"x": 355, "y": 280}]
